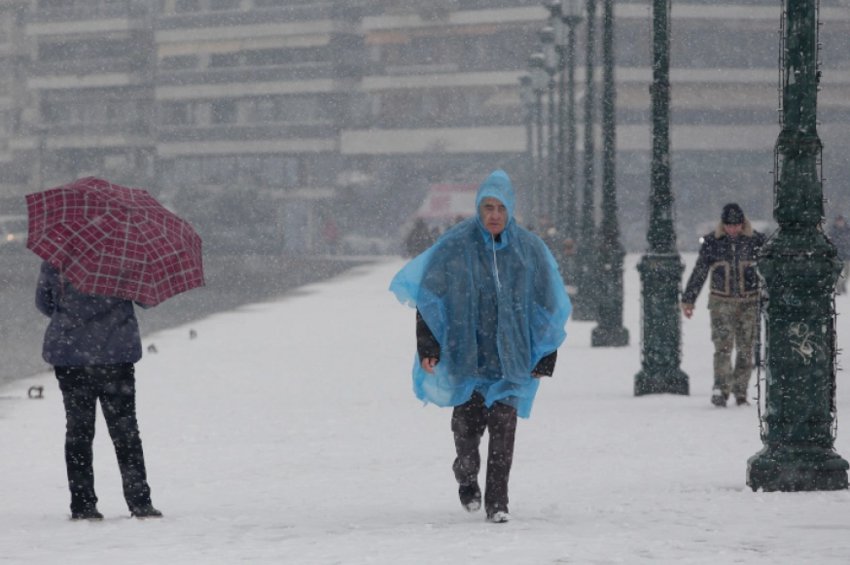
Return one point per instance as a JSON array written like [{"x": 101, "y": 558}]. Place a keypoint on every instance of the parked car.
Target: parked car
[{"x": 13, "y": 232}]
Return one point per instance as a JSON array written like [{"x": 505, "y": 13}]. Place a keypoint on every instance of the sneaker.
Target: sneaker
[
  {"x": 742, "y": 401},
  {"x": 146, "y": 511},
  {"x": 498, "y": 517},
  {"x": 718, "y": 398},
  {"x": 470, "y": 497},
  {"x": 89, "y": 513}
]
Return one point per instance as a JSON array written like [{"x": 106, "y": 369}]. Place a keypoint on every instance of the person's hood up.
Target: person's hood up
[{"x": 497, "y": 185}]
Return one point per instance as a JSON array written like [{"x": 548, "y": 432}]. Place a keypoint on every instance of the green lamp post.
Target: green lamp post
[
  {"x": 539, "y": 81},
  {"x": 587, "y": 280},
  {"x": 800, "y": 268},
  {"x": 527, "y": 101},
  {"x": 550, "y": 58},
  {"x": 661, "y": 267},
  {"x": 610, "y": 331}
]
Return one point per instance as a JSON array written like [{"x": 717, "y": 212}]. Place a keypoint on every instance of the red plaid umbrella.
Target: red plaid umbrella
[{"x": 114, "y": 241}]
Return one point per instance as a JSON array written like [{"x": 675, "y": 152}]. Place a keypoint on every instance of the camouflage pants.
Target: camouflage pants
[{"x": 733, "y": 326}]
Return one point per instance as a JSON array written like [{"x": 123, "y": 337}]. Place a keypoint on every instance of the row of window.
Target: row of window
[
  {"x": 263, "y": 171},
  {"x": 84, "y": 112},
  {"x": 248, "y": 111},
  {"x": 194, "y": 6}
]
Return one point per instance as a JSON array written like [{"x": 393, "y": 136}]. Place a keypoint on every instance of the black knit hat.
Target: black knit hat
[{"x": 732, "y": 214}]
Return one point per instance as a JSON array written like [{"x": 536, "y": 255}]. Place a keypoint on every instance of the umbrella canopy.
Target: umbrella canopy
[{"x": 112, "y": 240}]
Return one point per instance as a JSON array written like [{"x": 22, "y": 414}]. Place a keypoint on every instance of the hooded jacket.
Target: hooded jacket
[
  {"x": 495, "y": 305},
  {"x": 731, "y": 262}
]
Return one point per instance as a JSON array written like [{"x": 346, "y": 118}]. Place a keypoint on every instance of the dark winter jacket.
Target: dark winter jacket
[
  {"x": 85, "y": 329},
  {"x": 731, "y": 263}
]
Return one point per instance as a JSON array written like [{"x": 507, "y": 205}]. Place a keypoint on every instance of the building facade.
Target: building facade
[{"x": 266, "y": 122}]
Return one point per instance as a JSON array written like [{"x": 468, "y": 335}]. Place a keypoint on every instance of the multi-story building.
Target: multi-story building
[
  {"x": 251, "y": 100},
  {"x": 265, "y": 120},
  {"x": 89, "y": 85}
]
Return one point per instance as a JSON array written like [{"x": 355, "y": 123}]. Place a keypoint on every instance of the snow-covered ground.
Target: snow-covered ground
[{"x": 287, "y": 432}]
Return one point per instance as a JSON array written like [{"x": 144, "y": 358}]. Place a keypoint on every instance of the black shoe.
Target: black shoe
[
  {"x": 89, "y": 513},
  {"x": 718, "y": 398},
  {"x": 470, "y": 497},
  {"x": 742, "y": 401},
  {"x": 146, "y": 511}
]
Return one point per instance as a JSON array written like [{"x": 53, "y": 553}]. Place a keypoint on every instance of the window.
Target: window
[
  {"x": 223, "y": 112},
  {"x": 179, "y": 62},
  {"x": 225, "y": 59},
  {"x": 224, "y": 4},
  {"x": 175, "y": 114},
  {"x": 184, "y": 6}
]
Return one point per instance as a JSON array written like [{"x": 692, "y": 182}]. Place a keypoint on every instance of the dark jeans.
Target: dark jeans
[
  {"x": 469, "y": 420},
  {"x": 115, "y": 387}
]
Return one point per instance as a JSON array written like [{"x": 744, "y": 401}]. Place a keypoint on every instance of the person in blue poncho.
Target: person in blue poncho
[{"x": 490, "y": 314}]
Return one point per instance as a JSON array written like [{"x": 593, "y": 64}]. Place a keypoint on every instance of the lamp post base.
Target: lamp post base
[
  {"x": 662, "y": 380},
  {"x": 796, "y": 468},
  {"x": 609, "y": 337}
]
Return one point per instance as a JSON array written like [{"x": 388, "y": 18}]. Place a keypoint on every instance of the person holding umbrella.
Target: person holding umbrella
[
  {"x": 104, "y": 247},
  {"x": 93, "y": 342}
]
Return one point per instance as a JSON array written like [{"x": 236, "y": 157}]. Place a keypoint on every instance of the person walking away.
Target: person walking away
[
  {"x": 491, "y": 309},
  {"x": 839, "y": 234},
  {"x": 728, "y": 256},
  {"x": 93, "y": 343}
]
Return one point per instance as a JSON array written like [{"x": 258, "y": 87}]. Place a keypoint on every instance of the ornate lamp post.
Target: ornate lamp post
[
  {"x": 800, "y": 267},
  {"x": 661, "y": 268},
  {"x": 559, "y": 186},
  {"x": 610, "y": 331},
  {"x": 527, "y": 99},
  {"x": 550, "y": 56},
  {"x": 539, "y": 81},
  {"x": 585, "y": 307}
]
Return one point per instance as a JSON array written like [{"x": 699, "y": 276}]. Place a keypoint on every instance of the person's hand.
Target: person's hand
[
  {"x": 428, "y": 364},
  {"x": 687, "y": 310},
  {"x": 536, "y": 375}
]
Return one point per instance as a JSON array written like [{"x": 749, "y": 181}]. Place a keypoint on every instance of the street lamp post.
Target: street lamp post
[
  {"x": 527, "y": 100},
  {"x": 559, "y": 187},
  {"x": 610, "y": 331},
  {"x": 539, "y": 81},
  {"x": 661, "y": 267},
  {"x": 800, "y": 268},
  {"x": 586, "y": 307},
  {"x": 547, "y": 39},
  {"x": 571, "y": 13}
]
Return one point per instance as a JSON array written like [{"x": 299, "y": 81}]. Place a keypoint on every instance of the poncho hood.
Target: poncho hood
[{"x": 496, "y": 308}]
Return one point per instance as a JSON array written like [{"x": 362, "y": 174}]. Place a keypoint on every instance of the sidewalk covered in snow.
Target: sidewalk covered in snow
[{"x": 287, "y": 432}]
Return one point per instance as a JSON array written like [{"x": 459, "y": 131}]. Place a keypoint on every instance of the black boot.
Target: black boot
[{"x": 145, "y": 511}]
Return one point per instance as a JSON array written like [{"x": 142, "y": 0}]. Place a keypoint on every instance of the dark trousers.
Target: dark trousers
[
  {"x": 115, "y": 387},
  {"x": 469, "y": 420}
]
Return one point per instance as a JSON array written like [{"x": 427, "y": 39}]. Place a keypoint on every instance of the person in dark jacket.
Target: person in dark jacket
[
  {"x": 728, "y": 256},
  {"x": 93, "y": 343},
  {"x": 839, "y": 234}
]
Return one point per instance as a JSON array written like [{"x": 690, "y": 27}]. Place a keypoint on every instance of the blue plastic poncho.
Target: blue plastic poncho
[{"x": 495, "y": 307}]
